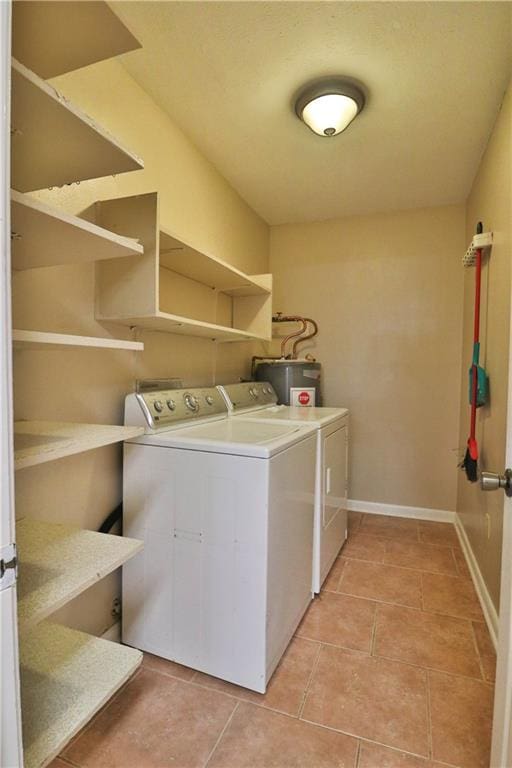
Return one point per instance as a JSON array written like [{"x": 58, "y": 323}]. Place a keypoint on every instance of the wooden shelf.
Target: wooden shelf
[
  {"x": 58, "y": 562},
  {"x": 167, "y": 323},
  {"x": 42, "y": 237},
  {"x": 42, "y": 340},
  {"x": 180, "y": 257},
  {"x": 52, "y": 38},
  {"x": 36, "y": 442},
  {"x": 66, "y": 677},
  {"x": 54, "y": 143}
]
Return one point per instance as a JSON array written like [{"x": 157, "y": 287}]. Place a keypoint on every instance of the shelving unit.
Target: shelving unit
[
  {"x": 92, "y": 32},
  {"x": 54, "y": 143},
  {"x": 41, "y": 340},
  {"x": 43, "y": 236},
  {"x": 66, "y": 677},
  {"x": 174, "y": 287},
  {"x": 36, "y": 442},
  {"x": 58, "y": 562}
]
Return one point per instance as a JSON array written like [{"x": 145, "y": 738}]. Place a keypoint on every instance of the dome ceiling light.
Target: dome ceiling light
[{"x": 328, "y": 106}]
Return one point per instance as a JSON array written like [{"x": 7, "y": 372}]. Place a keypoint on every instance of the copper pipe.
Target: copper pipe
[
  {"x": 305, "y": 338},
  {"x": 279, "y": 318}
]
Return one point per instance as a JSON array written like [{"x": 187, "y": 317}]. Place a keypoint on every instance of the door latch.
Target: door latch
[
  {"x": 8, "y": 566},
  {"x": 491, "y": 481}
]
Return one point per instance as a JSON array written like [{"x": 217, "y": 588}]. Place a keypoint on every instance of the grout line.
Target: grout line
[
  {"x": 373, "y": 637},
  {"x": 429, "y": 718},
  {"x": 309, "y": 681},
  {"x": 228, "y": 722},
  {"x": 422, "y": 590},
  {"x": 358, "y": 753}
]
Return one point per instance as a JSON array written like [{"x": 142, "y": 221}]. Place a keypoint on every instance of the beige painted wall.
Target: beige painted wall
[
  {"x": 490, "y": 201},
  {"x": 197, "y": 204},
  {"x": 386, "y": 291}
]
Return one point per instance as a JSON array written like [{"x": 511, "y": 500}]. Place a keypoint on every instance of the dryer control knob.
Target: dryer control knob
[
  {"x": 209, "y": 399},
  {"x": 159, "y": 406},
  {"x": 171, "y": 405},
  {"x": 191, "y": 402},
  {"x": 253, "y": 393}
]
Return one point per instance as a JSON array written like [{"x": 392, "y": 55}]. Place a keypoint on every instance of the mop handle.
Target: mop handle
[
  {"x": 478, "y": 283},
  {"x": 476, "y": 343}
]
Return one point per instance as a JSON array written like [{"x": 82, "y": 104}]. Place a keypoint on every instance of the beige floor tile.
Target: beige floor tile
[
  {"x": 443, "y": 534},
  {"x": 256, "y": 738},
  {"x": 461, "y": 720},
  {"x": 365, "y": 547},
  {"x": 156, "y": 722},
  {"x": 375, "y": 756},
  {"x": 389, "y": 527},
  {"x": 451, "y": 596},
  {"x": 486, "y": 650},
  {"x": 425, "y": 639},
  {"x": 354, "y": 520},
  {"x": 287, "y": 686},
  {"x": 339, "y": 620},
  {"x": 375, "y": 699},
  {"x": 333, "y": 577},
  {"x": 422, "y": 557},
  {"x": 462, "y": 565},
  {"x": 381, "y": 582},
  {"x": 157, "y": 664}
]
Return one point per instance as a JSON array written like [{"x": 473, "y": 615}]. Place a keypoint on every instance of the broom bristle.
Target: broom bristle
[{"x": 471, "y": 467}]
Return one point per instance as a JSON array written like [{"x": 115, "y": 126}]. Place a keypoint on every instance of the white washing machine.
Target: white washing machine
[
  {"x": 225, "y": 508},
  {"x": 257, "y": 401}
]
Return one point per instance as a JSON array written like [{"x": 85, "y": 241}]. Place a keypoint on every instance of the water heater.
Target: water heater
[{"x": 296, "y": 382}]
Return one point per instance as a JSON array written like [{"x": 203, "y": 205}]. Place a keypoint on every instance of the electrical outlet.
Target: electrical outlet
[
  {"x": 488, "y": 519},
  {"x": 116, "y": 608}
]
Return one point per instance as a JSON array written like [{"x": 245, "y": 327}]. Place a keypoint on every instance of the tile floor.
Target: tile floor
[{"x": 392, "y": 667}]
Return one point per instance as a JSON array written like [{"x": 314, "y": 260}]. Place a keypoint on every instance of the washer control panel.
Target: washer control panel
[
  {"x": 249, "y": 395},
  {"x": 166, "y": 408}
]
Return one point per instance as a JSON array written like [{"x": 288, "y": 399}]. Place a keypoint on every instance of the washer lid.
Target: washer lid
[
  {"x": 316, "y": 416},
  {"x": 234, "y": 436}
]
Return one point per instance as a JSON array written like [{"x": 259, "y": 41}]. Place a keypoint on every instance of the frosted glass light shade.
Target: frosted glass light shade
[{"x": 328, "y": 107}]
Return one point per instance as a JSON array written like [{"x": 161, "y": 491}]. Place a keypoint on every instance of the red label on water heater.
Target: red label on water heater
[{"x": 304, "y": 398}]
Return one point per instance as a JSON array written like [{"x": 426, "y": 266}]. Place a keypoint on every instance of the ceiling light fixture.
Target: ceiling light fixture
[{"x": 328, "y": 106}]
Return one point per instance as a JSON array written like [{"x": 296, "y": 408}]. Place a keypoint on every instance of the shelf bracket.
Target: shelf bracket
[{"x": 8, "y": 566}]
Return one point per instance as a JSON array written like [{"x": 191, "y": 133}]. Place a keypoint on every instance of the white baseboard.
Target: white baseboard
[
  {"x": 113, "y": 633},
  {"x": 419, "y": 513},
  {"x": 490, "y": 613}
]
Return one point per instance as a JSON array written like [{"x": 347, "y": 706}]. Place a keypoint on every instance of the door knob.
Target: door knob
[{"x": 491, "y": 481}]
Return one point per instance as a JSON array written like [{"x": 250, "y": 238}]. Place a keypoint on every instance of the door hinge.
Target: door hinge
[{"x": 8, "y": 566}]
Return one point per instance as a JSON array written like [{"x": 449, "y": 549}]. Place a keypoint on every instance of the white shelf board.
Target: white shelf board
[
  {"x": 42, "y": 236},
  {"x": 54, "y": 143},
  {"x": 66, "y": 677},
  {"x": 42, "y": 340},
  {"x": 36, "y": 442},
  {"x": 167, "y": 323},
  {"x": 54, "y": 37},
  {"x": 180, "y": 257},
  {"x": 58, "y": 562}
]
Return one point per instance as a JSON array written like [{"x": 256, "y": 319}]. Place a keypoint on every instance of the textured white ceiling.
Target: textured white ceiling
[{"x": 226, "y": 73}]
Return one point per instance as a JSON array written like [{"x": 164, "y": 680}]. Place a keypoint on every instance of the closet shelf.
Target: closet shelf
[
  {"x": 42, "y": 236},
  {"x": 91, "y": 31},
  {"x": 66, "y": 677},
  {"x": 182, "y": 258},
  {"x": 58, "y": 562},
  {"x": 54, "y": 143},
  {"x": 42, "y": 340},
  {"x": 36, "y": 442},
  {"x": 167, "y": 323}
]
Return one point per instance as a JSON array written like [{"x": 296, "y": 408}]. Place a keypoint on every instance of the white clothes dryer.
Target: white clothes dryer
[
  {"x": 257, "y": 401},
  {"x": 225, "y": 508}
]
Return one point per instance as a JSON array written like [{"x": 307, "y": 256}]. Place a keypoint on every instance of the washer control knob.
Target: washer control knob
[
  {"x": 171, "y": 405},
  {"x": 191, "y": 402},
  {"x": 159, "y": 406},
  {"x": 253, "y": 393},
  {"x": 209, "y": 399}
]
